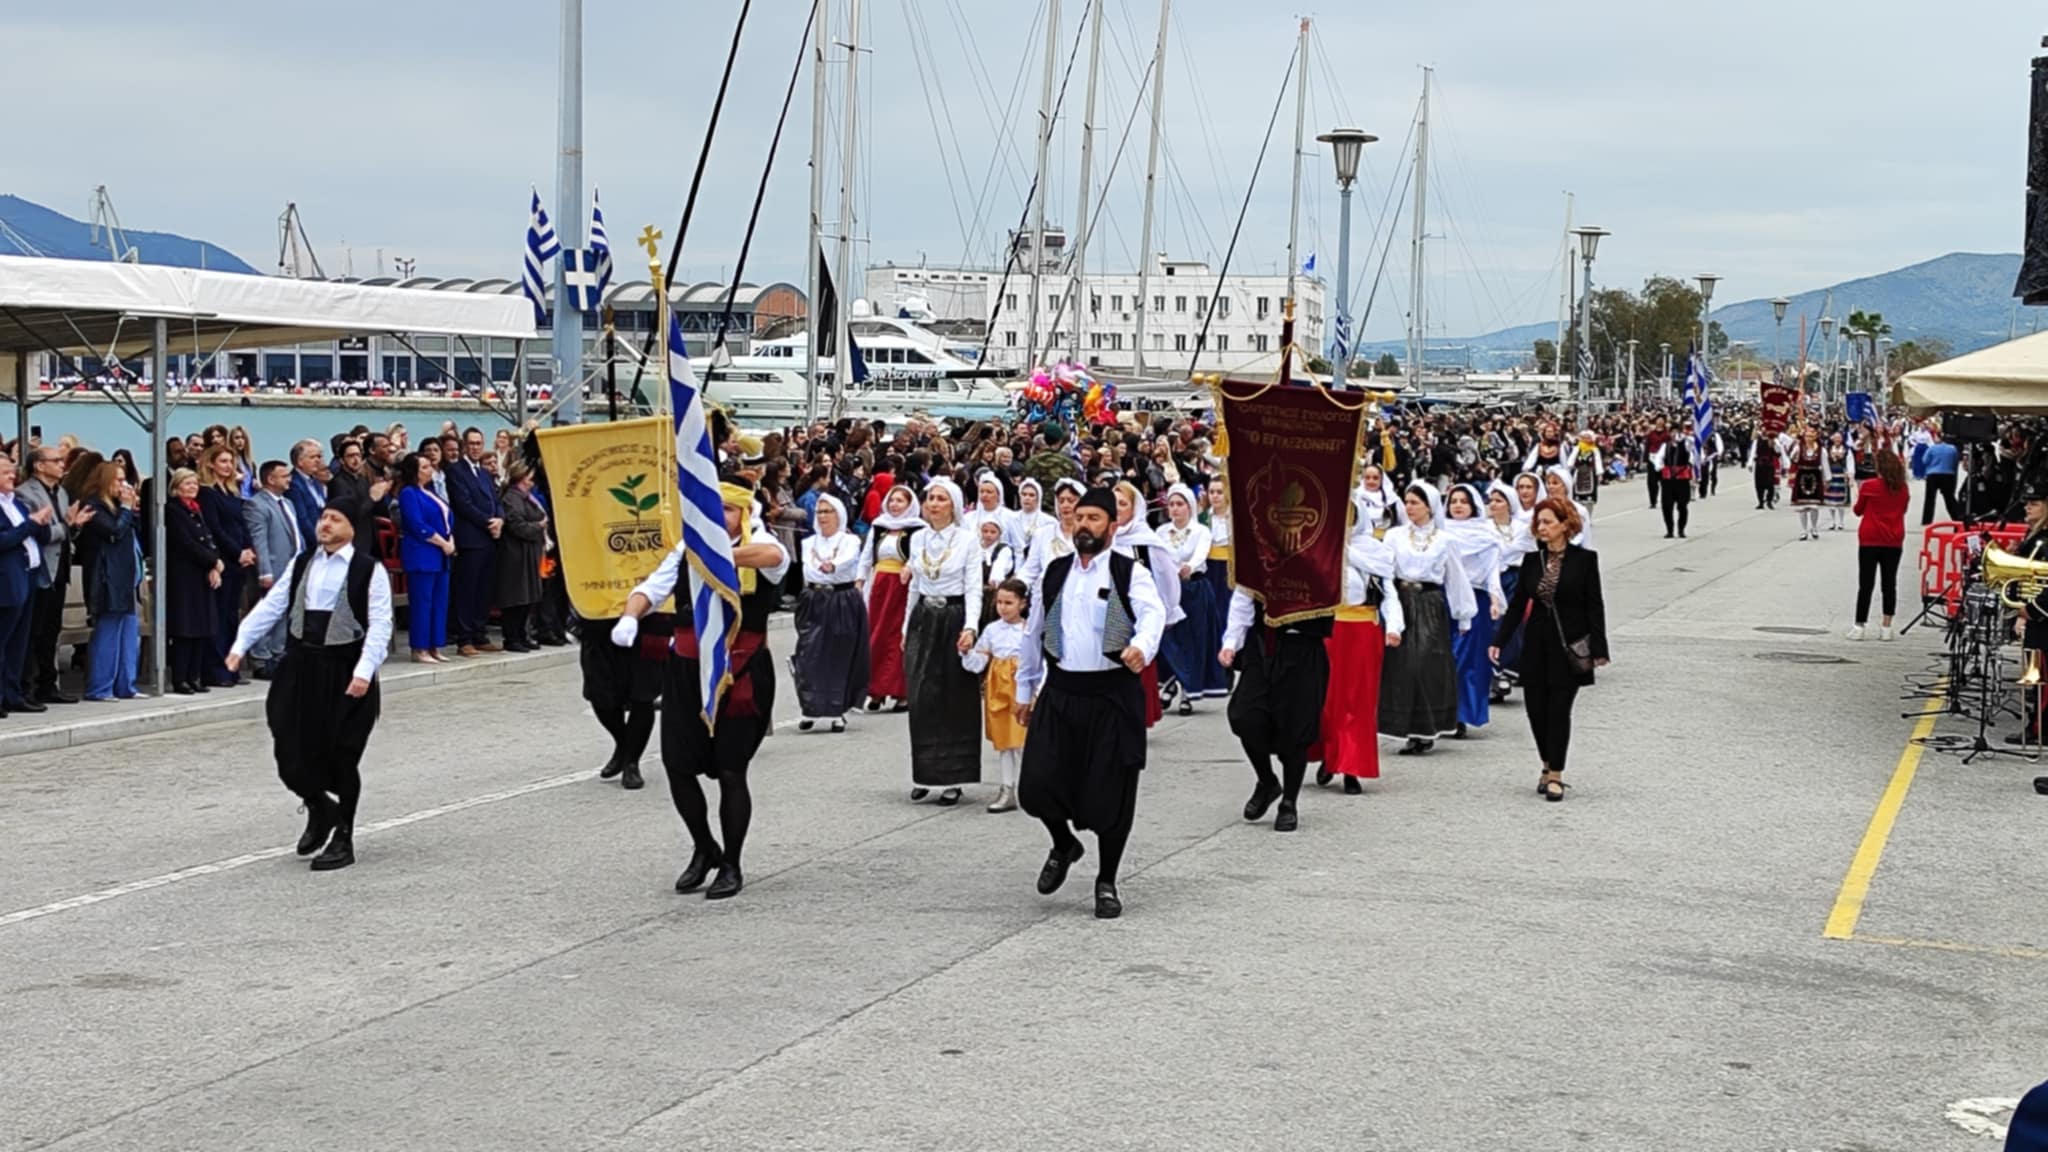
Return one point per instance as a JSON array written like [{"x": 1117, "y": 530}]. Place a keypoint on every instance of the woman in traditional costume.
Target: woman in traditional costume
[
  {"x": 1477, "y": 544},
  {"x": 1191, "y": 645},
  {"x": 1809, "y": 468},
  {"x": 831, "y": 662},
  {"x": 882, "y": 565},
  {"x": 945, "y": 699},
  {"x": 1516, "y": 541},
  {"x": 1217, "y": 572},
  {"x": 1419, "y": 684},
  {"x": 1367, "y": 625},
  {"x": 1136, "y": 539},
  {"x": 1841, "y": 466},
  {"x": 1557, "y": 485}
]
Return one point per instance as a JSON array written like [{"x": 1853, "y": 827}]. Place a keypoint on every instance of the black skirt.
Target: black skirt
[
  {"x": 1279, "y": 698},
  {"x": 688, "y": 746},
  {"x": 615, "y": 677},
  {"x": 1085, "y": 749},
  {"x": 317, "y": 730},
  {"x": 830, "y": 667},
  {"x": 1419, "y": 680},
  {"x": 945, "y": 698}
]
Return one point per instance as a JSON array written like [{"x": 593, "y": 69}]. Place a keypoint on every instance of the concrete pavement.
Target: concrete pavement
[{"x": 1443, "y": 963}]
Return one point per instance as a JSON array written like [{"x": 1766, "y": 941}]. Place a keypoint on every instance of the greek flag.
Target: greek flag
[
  {"x": 600, "y": 246},
  {"x": 1589, "y": 371},
  {"x": 582, "y": 279},
  {"x": 1697, "y": 378},
  {"x": 541, "y": 247},
  {"x": 1340, "y": 342},
  {"x": 714, "y": 580}
]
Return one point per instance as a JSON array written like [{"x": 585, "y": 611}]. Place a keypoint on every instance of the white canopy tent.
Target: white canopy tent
[
  {"x": 120, "y": 311},
  {"x": 2005, "y": 379}
]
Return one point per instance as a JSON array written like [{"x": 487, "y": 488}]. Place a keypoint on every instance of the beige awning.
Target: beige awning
[{"x": 2007, "y": 379}]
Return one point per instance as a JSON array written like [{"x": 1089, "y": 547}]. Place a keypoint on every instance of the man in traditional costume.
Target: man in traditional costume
[
  {"x": 323, "y": 700},
  {"x": 1096, "y": 624},
  {"x": 691, "y": 748}
]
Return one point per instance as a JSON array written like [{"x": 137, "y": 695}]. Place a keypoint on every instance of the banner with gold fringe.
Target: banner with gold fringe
[{"x": 616, "y": 512}]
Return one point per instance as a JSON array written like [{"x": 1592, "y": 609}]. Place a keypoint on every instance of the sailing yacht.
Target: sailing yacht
[{"x": 909, "y": 369}]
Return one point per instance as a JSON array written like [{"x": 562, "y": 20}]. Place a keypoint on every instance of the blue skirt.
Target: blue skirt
[
  {"x": 1475, "y": 668},
  {"x": 1189, "y": 648},
  {"x": 1217, "y": 574}
]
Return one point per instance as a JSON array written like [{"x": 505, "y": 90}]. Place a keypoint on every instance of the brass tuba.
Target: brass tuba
[{"x": 2018, "y": 581}]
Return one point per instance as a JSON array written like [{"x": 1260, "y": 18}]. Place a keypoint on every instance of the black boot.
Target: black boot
[
  {"x": 1264, "y": 793},
  {"x": 340, "y": 853},
  {"x": 1352, "y": 787},
  {"x": 702, "y": 861},
  {"x": 319, "y": 826},
  {"x": 1057, "y": 863},
  {"x": 1287, "y": 819},
  {"x": 727, "y": 885},
  {"x": 630, "y": 778}
]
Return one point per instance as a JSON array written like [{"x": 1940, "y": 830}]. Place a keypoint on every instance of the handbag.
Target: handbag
[{"x": 1577, "y": 653}]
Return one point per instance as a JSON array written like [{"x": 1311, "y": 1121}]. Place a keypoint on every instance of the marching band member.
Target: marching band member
[
  {"x": 995, "y": 658},
  {"x": 1478, "y": 547},
  {"x": 1136, "y": 539},
  {"x": 1419, "y": 685},
  {"x": 945, "y": 699},
  {"x": 1367, "y": 625},
  {"x": 1808, "y": 463},
  {"x": 883, "y": 563},
  {"x": 1191, "y": 644},
  {"x": 831, "y": 662}
]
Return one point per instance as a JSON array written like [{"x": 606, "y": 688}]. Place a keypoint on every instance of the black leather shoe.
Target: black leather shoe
[
  {"x": 26, "y": 706},
  {"x": 1352, "y": 787},
  {"x": 2041, "y": 785},
  {"x": 949, "y": 797},
  {"x": 56, "y": 698},
  {"x": 612, "y": 767},
  {"x": 182, "y": 689},
  {"x": 727, "y": 885},
  {"x": 1057, "y": 862},
  {"x": 340, "y": 853},
  {"x": 200, "y": 687},
  {"x": 630, "y": 779},
  {"x": 260, "y": 672},
  {"x": 701, "y": 864},
  {"x": 1108, "y": 905},
  {"x": 1287, "y": 819},
  {"x": 917, "y": 794},
  {"x": 1324, "y": 776},
  {"x": 1263, "y": 794},
  {"x": 319, "y": 826}
]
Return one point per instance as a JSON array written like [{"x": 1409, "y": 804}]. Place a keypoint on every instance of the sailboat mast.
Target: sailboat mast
[
  {"x": 1080, "y": 265},
  {"x": 1145, "y": 254},
  {"x": 1418, "y": 325},
  {"x": 1564, "y": 290},
  {"x": 821, "y": 37},
  {"x": 1294, "y": 206},
  {"x": 1052, "y": 49},
  {"x": 842, "y": 360}
]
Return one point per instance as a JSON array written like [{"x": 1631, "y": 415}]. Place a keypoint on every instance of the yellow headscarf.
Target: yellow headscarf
[{"x": 742, "y": 497}]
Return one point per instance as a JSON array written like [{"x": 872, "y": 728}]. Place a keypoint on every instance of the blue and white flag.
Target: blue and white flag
[
  {"x": 1697, "y": 380},
  {"x": 1589, "y": 371},
  {"x": 1308, "y": 266},
  {"x": 714, "y": 579},
  {"x": 600, "y": 246},
  {"x": 1340, "y": 343},
  {"x": 541, "y": 247},
  {"x": 582, "y": 279}
]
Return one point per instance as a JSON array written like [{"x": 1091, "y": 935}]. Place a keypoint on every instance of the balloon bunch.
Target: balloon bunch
[{"x": 1067, "y": 393}]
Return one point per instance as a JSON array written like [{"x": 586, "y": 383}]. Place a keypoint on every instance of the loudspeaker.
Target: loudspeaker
[
  {"x": 2032, "y": 288},
  {"x": 1969, "y": 427}
]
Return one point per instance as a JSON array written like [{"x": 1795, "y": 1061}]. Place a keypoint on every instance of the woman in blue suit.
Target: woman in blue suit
[{"x": 425, "y": 542}]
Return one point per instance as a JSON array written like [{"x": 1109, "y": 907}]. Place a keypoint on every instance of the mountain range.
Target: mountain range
[
  {"x": 40, "y": 231},
  {"x": 1964, "y": 298}
]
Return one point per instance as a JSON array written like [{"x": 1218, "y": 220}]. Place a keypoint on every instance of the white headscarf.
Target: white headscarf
[
  {"x": 1564, "y": 476},
  {"x": 1430, "y": 496},
  {"x": 1515, "y": 499},
  {"x": 1137, "y": 534},
  {"x": 1475, "y": 542},
  {"x": 1186, "y": 493},
  {"x": 892, "y": 522},
  {"x": 844, "y": 524},
  {"x": 952, "y": 492}
]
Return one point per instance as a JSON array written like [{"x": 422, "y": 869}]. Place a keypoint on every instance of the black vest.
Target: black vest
[
  {"x": 361, "y": 567},
  {"x": 1116, "y": 636}
]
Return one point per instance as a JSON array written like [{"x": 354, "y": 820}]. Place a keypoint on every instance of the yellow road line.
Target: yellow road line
[
  {"x": 1856, "y": 885},
  {"x": 2009, "y": 952}
]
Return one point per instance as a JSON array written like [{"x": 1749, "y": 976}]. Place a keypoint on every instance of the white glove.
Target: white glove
[{"x": 626, "y": 631}]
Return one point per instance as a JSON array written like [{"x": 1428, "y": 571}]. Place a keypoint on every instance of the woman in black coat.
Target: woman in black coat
[
  {"x": 1558, "y": 591},
  {"x": 220, "y": 506},
  {"x": 189, "y": 571}
]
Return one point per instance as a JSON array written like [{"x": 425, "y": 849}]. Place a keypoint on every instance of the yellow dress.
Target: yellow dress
[{"x": 999, "y": 701}]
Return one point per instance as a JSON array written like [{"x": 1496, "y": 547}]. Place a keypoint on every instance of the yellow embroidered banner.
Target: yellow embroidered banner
[{"x": 616, "y": 508}]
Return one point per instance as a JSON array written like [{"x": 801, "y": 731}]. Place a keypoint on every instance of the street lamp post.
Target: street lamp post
[
  {"x": 1630, "y": 395},
  {"x": 1589, "y": 244},
  {"x": 1778, "y": 309},
  {"x": 1707, "y": 280},
  {"x": 1345, "y": 146},
  {"x": 1664, "y": 381},
  {"x": 1883, "y": 367},
  {"x": 1827, "y": 343}
]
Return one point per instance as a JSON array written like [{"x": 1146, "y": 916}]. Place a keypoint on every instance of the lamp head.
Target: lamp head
[
  {"x": 1778, "y": 308},
  {"x": 1707, "y": 280},
  {"x": 1345, "y": 146},
  {"x": 1589, "y": 241},
  {"x": 1827, "y": 327}
]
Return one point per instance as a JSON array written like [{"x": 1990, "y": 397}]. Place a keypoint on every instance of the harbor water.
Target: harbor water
[{"x": 274, "y": 424}]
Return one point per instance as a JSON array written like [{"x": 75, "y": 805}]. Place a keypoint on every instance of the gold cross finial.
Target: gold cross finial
[{"x": 650, "y": 239}]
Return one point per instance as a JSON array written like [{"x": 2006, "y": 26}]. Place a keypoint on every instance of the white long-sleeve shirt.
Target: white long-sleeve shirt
[
  {"x": 661, "y": 583},
  {"x": 1001, "y": 640},
  {"x": 1367, "y": 558},
  {"x": 1190, "y": 546},
  {"x": 326, "y": 582},
  {"x": 841, "y": 550},
  {"x": 1425, "y": 556},
  {"x": 1084, "y": 611}
]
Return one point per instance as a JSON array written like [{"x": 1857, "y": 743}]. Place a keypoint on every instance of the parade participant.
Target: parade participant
[
  {"x": 945, "y": 699},
  {"x": 324, "y": 700},
  {"x": 1136, "y": 539},
  {"x": 1218, "y": 570},
  {"x": 989, "y": 508},
  {"x": 1276, "y": 712},
  {"x": 994, "y": 657},
  {"x": 1477, "y": 546},
  {"x": 689, "y": 747},
  {"x": 831, "y": 663},
  {"x": 1763, "y": 466},
  {"x": 1558, "y": 593},
  {"x": 1366, "y": 626},
  {"x": 623, "y": 687},
  {"x": 1808, "y": 464},
  {"x": 1066, "y": 496},
  {"x": 1380, "y": 499},
  {"x": 1549, "y": 450},
  {"x": 1711, "y": 449},
  {"x": 1672, "y": 466},
  {"x": 1033, "y": 523},
  {"x": 1419, "y": 684},
  {"x": 1528, "y": 493},
  {"x": 1841, "y": 466},
  {"x": 883, "y": 563},
  {"x": 1656, "y": 440},
  {"x": 1098, "y": 622},
  {"x": 1586, "y": 469},
  {"x": 1557, "y": 486},
  {"x": 1516, "y": 541},
  {"x": 995, "y": 563},
  {"x": 1189, "y": 651}
]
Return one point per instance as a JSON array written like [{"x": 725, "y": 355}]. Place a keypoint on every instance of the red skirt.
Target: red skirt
[
  {"x": 1149, "y": 679},
  {"x": 887, "y": 602},
  {"x": 1351, "y": 710}
]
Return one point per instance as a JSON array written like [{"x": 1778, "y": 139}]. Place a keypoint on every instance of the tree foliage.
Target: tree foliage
[
  {"x": 1546, "y": 357},
  {"x": 1914, "y": 355},
  {"x": 1387, "y": 366}
]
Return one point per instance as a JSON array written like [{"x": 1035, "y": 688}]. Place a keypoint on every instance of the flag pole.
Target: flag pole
[{"x": 568, "y": 321}]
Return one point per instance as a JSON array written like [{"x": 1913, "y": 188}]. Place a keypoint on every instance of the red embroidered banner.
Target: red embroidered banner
[
  {"x": 1292, "y": 458},
  {"x": 1780, "y": 401}
]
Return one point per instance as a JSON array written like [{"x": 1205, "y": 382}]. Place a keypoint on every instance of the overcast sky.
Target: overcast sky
[{"x": 1786, "y": 145}]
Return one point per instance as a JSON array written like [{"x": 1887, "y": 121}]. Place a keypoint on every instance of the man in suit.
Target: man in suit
[
  {"x": 479, "y": 518},
  {"x": 52, "y": 580},
  {"x": 362, "y": 491},
  {"x": 308, "y": 489},
  {"x": 274, "y": 530},
  {"x": 24, "y": 534}
]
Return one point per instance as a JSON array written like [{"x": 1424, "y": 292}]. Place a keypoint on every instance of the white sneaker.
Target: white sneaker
[
  {"x": 1856, "y": 632},
  {"x": 1885, "y": 633}
]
